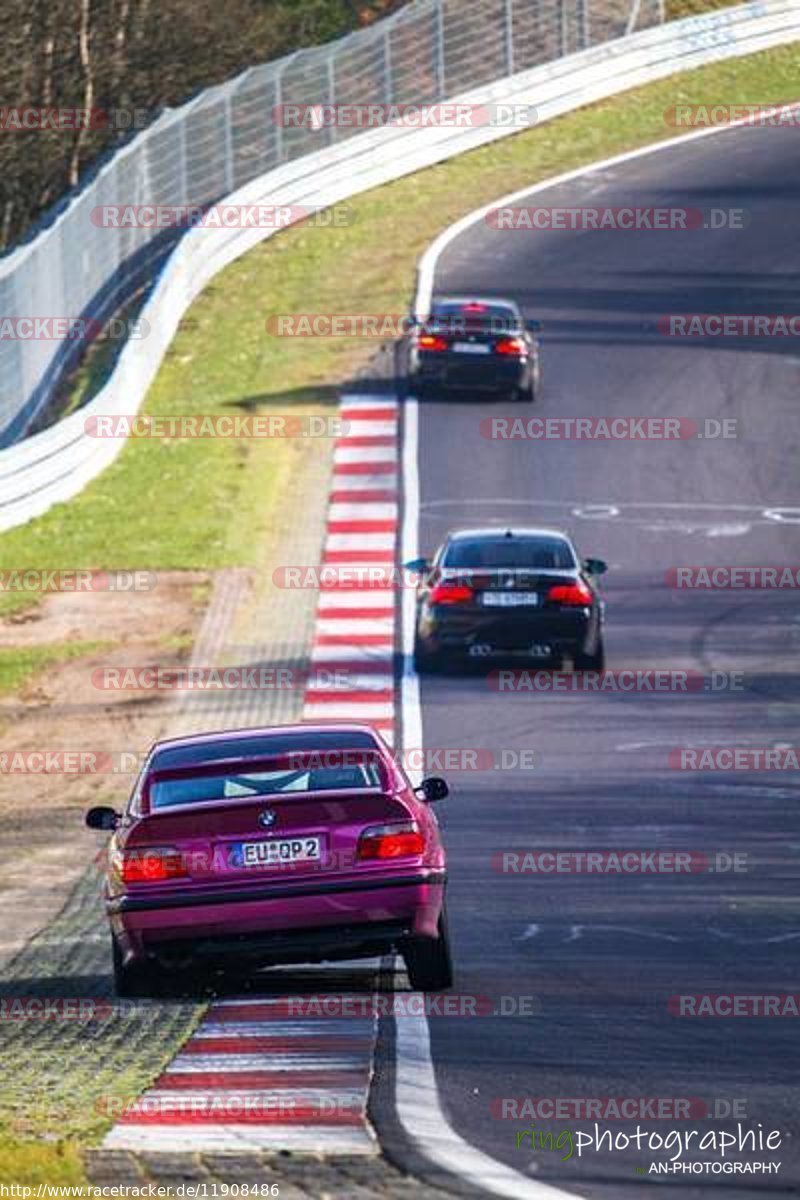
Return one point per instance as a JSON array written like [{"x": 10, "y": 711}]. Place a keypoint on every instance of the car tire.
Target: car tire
[
  {"x": 136, "y": 980},
  {"x": 429, "y": 965},
  {"x": 525, "y": 395},
  {"x": 426, "y": 661},
  {"x": 591, "y": 662}
]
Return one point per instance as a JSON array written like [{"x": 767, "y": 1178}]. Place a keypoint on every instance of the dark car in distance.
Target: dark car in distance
[
  {"x": 475, "y": 345},
  {"x": 518, "y": 593}
]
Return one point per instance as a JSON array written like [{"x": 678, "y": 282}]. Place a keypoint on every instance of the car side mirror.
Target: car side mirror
[
  {"x": 595, "y": 566},
  {"x": 533, "y": 326},
  {"x": 433, "y": 789},
  {"x": 417, "y": 565},
  {"x": 103, "y": 818}
]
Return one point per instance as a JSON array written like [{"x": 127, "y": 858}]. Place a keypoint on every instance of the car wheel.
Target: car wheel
[
  {"x": 592, "y": 662},
  {"x": 428, "y": 962},
  {"x": 525, "y": 395},
  {"x": 426, "y": 661},
  {"x": 136, "y": 980}
]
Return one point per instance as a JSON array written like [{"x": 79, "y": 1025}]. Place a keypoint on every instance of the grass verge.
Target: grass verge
[
  {"x": 31, "y": 1163},
  {"x": 20, "y": 665}
]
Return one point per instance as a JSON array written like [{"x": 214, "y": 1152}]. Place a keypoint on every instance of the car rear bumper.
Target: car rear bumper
[
  {"x": 472, "y": 372},
  {"x": 504, "y": 634},
  {"x": 294, "y": 922}
]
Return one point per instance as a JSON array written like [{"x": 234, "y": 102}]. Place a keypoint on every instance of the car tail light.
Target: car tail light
[
  {"x": 451, "y": 593},
  {"x": 391, "y": 841},
  {"x": 431, "y": 341},
  {"x": 150, "y": 865},
  {"x": 511, "y": 347},
  {"x": 574, "y": 595}
]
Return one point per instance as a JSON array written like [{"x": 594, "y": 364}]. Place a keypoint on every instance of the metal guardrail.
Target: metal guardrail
[{"x": 55, "y": 465}]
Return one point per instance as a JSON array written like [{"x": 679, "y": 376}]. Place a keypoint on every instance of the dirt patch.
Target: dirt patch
[{"x": 44, "y": 846}]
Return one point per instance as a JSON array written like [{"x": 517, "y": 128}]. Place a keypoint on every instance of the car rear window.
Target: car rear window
[
  {"x": 329, "y": 762},
  {"x": 488, "y": 318},
  {"x": 510, "y": 553}
]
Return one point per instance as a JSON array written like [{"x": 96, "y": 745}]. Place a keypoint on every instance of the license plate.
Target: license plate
[
  {"x": 510, "y": 599},
  {"x": 470, "y": 348},
  {"x": 276, "y": 851}
]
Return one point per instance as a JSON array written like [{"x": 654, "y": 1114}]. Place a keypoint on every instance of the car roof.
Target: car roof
[
  {"x": 499, "y": 532},
  {"x": 247, "y": 734}
]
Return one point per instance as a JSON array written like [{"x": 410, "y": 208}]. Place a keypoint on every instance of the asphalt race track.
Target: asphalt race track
[{"x": 601, "y": 954}]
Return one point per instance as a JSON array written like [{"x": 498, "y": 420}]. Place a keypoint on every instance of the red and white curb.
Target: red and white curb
[
  {"x": 354, "y": 647},
  {"x": 252, "y": 1076}
]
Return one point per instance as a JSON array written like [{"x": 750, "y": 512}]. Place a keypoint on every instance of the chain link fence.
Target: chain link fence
[{"x": 57, "y": 291}]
